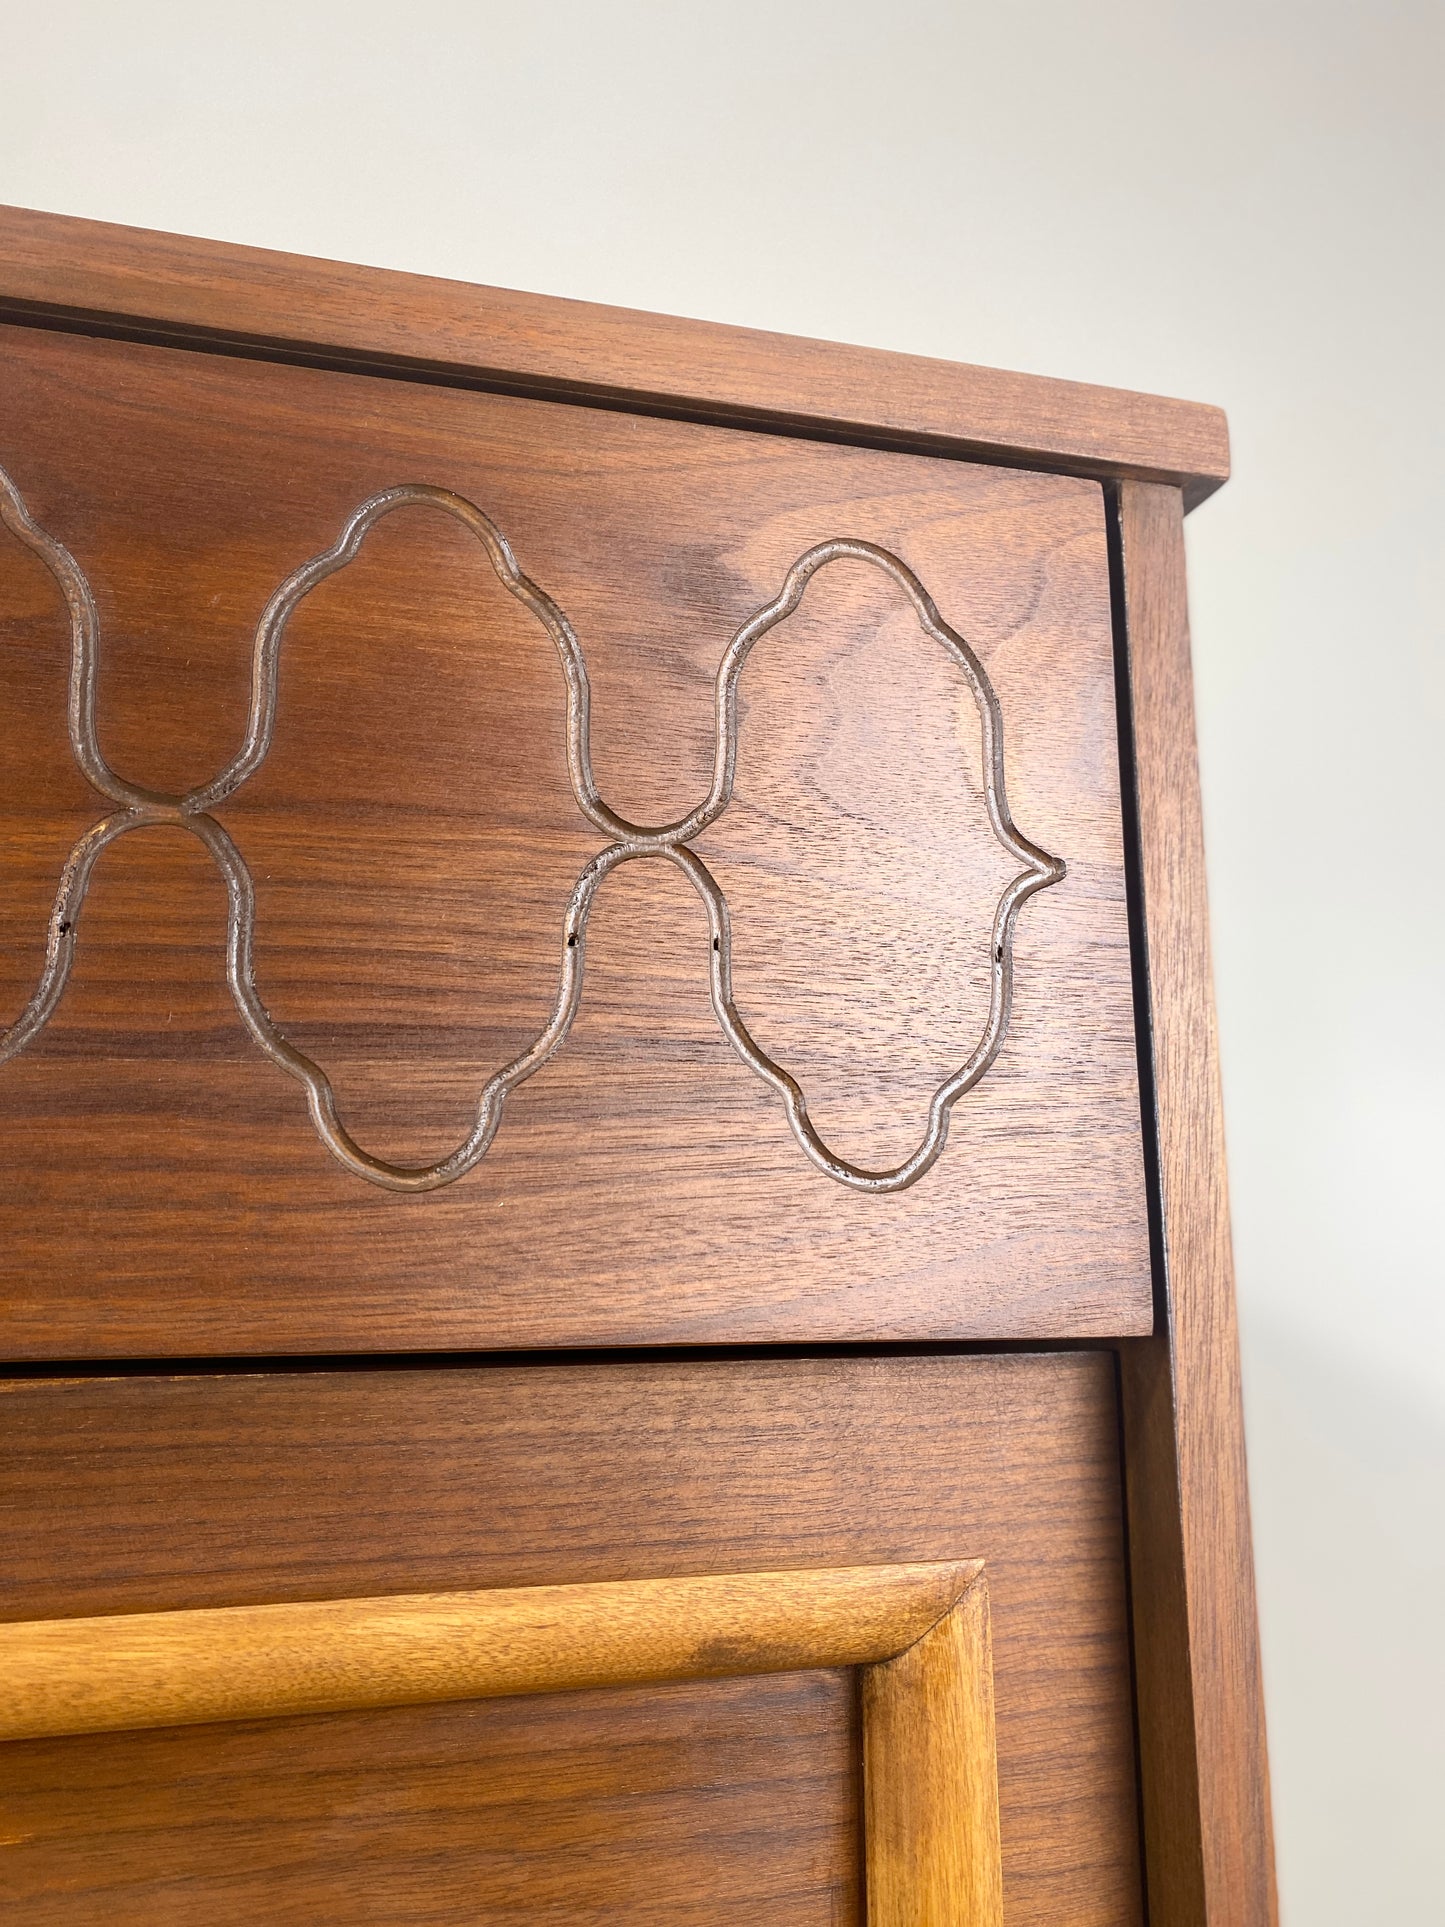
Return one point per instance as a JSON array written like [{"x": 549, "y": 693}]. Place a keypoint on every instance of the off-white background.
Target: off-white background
[{"x": 1239, "y": 203}]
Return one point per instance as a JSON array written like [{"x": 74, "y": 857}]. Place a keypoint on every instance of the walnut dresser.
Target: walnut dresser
[{"x": 616, "y": 1287}]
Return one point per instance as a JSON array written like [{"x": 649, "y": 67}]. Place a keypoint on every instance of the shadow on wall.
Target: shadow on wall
[{"x": 1347, "y": 1476}]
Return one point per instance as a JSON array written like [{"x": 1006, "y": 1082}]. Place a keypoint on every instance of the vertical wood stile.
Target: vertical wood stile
[
  {"x": 1201, "y": 1716},
  {"x": 931, "y": 1777}
]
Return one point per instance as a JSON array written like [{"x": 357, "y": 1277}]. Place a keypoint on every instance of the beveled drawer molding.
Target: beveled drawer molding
[
  {"x": 919, "y": 1632},
  {"x": 140, "y": 807}
]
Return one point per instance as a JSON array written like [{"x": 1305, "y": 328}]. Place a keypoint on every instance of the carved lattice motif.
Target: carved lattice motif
[{"x": 136, "y": 808}]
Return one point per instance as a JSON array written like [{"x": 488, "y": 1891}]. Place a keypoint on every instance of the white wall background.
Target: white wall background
[{"x": 1240, "y": 203}]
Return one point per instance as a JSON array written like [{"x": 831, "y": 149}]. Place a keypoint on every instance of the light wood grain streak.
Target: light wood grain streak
[
  {"x": 1205, "y": 1783},
  {"x": 133, "y": 1670},
  {"x": 930, "y": 1782},
  {"x": 251, "y": 298}
]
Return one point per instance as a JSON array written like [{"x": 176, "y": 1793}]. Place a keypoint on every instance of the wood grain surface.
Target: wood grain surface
[
  {"x": 1201, "y": 1712},
  {"x": 93, "y": 273},
  {"x": 141, "y": 1494},
  {"x": 130, "y": 1670},
  {"x": 918, "y": 1633},
  {"x": 414, "y": 839},
  {"x": 930, "y": 1777},
  {"x": 670, "y": 1806}
]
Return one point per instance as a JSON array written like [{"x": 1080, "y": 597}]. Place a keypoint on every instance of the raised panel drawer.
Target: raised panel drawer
[{"x": 664, "y": 1802}]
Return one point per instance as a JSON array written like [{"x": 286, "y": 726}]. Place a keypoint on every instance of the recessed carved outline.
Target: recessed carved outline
[{"x": 140, "y": 808}]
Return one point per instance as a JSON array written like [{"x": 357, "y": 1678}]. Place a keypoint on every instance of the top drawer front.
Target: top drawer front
[{"x": 466, "y": 921}]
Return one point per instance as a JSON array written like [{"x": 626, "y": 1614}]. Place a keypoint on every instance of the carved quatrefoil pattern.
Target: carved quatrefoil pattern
[{"x": 136, "y": 808}]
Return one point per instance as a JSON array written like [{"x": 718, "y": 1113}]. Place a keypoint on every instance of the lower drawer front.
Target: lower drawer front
[{"x": 688, "y": 1801}]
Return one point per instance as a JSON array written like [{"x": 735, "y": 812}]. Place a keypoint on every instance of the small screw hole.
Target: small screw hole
[
  {"x": 571, "y": 939},
  {"x": 717, "y": 943},
  {"x": 998, "y": 953}
]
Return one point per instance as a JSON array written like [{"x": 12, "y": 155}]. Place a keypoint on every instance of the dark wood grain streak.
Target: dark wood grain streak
[
  {"x": 184, "y": 290},
  {"x": 155, "y": 1493},
  {"x": 1205, "y": 1780}
]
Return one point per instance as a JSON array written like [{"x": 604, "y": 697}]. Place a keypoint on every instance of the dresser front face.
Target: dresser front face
[
  {"x": 594, "y": 1252},
  {"x": 697, "y": 1802},
  {"x": 668, "y": 887}
]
